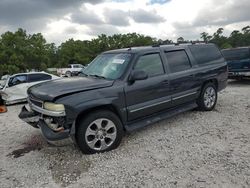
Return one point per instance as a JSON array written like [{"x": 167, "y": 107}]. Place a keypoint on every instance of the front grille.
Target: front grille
[{"x": 36, "y": 102}]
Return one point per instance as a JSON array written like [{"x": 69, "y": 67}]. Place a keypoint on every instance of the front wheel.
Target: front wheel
[
  {"x": 208, "y": 97},
  {"x": 99, "y": 131}
]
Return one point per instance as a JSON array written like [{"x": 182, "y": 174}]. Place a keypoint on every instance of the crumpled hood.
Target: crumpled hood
[{"x": 50, "y": 90}]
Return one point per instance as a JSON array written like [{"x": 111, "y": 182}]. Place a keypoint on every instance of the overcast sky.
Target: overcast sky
[{"x": 59, "y": 20}]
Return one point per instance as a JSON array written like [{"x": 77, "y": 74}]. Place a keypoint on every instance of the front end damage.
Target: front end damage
[{"x": 53, "y": 125}]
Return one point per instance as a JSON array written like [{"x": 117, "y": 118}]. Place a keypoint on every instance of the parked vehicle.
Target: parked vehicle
[
  {"x": 14, "y": 89},
  {"x": 72, "y": 70},
  {"x": 126, "y": 89},
  {"x": 238, "y": 60}
]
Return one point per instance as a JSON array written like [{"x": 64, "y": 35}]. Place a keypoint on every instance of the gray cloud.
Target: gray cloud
[
  {"x": 33, "y": 14},
  {"x": 86, "y": 17},
  {"x": 228, "y": 13},
  {"x": 70, "y": 30},
  {"x": 116, "y": 17},
  {"x": 142, "y": 16},
  {"x": 225, "y": 13}
]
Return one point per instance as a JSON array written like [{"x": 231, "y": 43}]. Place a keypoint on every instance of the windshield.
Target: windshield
[{"x": 110, "y": 66}]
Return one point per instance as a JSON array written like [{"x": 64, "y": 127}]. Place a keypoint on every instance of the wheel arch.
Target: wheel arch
[
  {"x": 212, "y": 80},
  {"x": 85, "y": 112}
]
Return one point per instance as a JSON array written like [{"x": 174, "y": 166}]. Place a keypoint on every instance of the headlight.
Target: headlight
[{"x": 54, "y": 107}]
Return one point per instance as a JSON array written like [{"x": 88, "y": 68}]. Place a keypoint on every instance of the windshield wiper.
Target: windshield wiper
[{"x": 97, "y": 76}]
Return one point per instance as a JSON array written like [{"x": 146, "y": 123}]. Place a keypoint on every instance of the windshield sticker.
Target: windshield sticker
[{"x": 118, "y": 61}]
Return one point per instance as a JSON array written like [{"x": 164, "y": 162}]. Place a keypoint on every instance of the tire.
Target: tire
[
  {"x": 208, "y": 97},
  {"x": 98, "y": 132},
  {"x": 68, "y": 74}
]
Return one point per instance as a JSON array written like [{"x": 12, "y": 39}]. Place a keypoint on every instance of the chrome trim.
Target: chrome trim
[
  {"x": 151, "y": 105},
  {"x": 46, "y": 112},
  {"x": 186, "y": 95}
]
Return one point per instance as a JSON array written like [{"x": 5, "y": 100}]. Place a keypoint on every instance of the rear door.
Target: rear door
[
  {"x": 182, "y": 77},
  {"x": 145, "y": 97}
]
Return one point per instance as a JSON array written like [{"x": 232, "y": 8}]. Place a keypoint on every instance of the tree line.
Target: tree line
[{"x": 20, "y": 51}]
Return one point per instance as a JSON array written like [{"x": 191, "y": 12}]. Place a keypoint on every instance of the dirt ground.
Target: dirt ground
[{"x": 193, "y": 149}]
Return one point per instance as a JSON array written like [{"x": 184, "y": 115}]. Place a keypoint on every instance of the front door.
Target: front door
[{"x": 146, "y": 97}]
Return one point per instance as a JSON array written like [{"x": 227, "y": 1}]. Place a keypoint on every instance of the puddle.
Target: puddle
[{"x": 32, "y": 144}]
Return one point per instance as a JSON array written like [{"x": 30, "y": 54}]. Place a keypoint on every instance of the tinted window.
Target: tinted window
[
  {"x": 151, "y": 64},
  {"x": 236, "y": 54},
  {"x": 39, "y": 77},
  {"x": 178, "y": 61},
  {"x": 205, "y": 53},
  {"x": 17, "y": 80}
]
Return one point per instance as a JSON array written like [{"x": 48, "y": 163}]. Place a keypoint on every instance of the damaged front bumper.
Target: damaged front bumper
[{"x": 36, "y": 120}]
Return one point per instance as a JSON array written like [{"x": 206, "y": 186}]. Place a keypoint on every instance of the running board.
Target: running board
[{"x": 159, "y": 117}]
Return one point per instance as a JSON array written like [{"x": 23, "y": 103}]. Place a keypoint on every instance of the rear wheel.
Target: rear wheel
[
  {"x": 99, "y": 131},
  {"x": 208, "y": 97}
]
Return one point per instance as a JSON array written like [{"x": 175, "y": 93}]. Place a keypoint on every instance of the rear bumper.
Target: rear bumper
[
  {"x": 34, "y": 119},
  {"x": 222, "y": 85}
]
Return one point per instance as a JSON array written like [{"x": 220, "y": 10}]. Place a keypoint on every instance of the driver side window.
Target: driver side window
[
  {"x": 151, "y": 64},
  {"x": 17, "y": 80}
]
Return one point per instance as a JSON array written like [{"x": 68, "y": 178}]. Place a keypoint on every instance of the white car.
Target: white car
[
  {"x": 14, "y": 89},
  {"x": 73, "y": 69}
]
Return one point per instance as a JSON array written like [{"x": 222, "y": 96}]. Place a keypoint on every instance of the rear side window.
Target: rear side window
[
  {"x": 39, "y": 77},
  {"x": 178, "y": 61},
  {"x": 151, "y": 64},
  {"x": 236, "y": 54},
  {"x": 205, "y": 53}
]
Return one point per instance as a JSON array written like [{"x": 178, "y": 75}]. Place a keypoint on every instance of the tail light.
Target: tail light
[{"x": 3, "y": 108}]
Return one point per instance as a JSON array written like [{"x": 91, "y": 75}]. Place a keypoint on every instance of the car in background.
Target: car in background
[
  {"x": 238, "y": 60},
  {"x": 14, "y": 89},
  {"x": 72, "y": 70}
]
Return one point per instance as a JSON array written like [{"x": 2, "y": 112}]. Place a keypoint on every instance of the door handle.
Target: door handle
[{"x": 165, "y": 82}]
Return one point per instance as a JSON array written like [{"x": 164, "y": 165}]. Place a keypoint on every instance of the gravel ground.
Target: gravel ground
[{"x": 193, "y": 149}]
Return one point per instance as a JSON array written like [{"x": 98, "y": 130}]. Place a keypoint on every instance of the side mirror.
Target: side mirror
[{"x": 138, "y": 75}]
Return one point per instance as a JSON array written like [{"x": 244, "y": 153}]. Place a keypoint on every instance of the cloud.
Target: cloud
[
  {"x": 116, "y": 17},
  {"x": 85, "y": 16},
  {"x": 95, "y": 30},
  {"x": 225, "y": 13},
  {"x": 70, "y": 30},
  {"x": 159, "y": 1},
  {"x": 143, "y": 16},
  {"x": 34, "y": 14}
]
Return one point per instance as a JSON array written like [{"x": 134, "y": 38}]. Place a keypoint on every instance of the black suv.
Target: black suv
[{"x": 123, "y": 90}]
